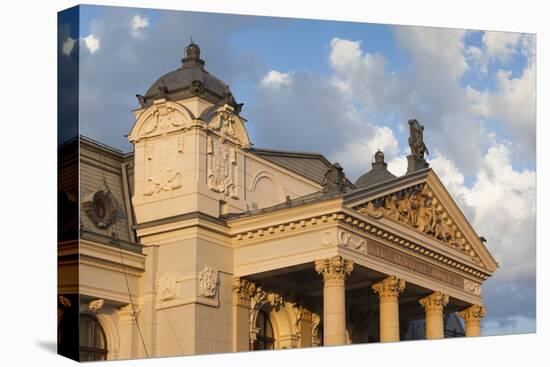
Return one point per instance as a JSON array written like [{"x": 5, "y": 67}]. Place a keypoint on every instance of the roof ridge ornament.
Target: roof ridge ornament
[{"x": 416, "y": 161}]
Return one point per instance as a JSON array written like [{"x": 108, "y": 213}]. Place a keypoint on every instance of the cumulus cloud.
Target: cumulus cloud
[
  {"x": 92, "y": 43},
  {"x": 275, "y": 79},
  {"x": 137, "y": 24}
]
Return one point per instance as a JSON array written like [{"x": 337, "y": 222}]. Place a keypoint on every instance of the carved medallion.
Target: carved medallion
[
  {"x": 208, "y": 279},
  {"x": 101, "y": 207}
]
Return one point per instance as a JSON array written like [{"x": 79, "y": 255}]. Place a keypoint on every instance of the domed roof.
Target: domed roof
[
  {"x": 378, "y": 173},
  {"x": 191, "y": 79}
]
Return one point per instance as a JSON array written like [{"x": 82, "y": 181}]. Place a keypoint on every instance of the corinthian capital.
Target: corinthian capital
[
  {"x": 389, "y": 287},
  {"x": 242, "y": 291},
  {"x": 473, "y": 313},
  {"x": 334, "y": 268},
  {"x": 434, "y": 302}
]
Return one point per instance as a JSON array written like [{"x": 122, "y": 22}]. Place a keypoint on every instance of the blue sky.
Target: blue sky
[{"x": 346, "y": 89}]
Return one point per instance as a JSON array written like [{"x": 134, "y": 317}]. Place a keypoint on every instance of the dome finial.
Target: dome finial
[{"x": 192, "y": 51}]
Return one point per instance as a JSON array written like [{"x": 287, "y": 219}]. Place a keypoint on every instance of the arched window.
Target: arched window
[
  {"x": 264, "y": 339},
  {"x": 93, "y": 344}
]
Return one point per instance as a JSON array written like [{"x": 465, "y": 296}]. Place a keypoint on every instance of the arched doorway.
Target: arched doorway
[
  {"x": 93, "y": 343},
  {"x": 265, "y": 338}
]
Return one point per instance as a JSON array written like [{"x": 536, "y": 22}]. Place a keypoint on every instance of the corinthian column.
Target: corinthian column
[
  {"x": 472, "y": 317},
  {"x": 334, "y": 271},
  {"x": 388, "y": 291},
  {"x": 242, "y": 291},
  {"x": 433, "y": 306}
]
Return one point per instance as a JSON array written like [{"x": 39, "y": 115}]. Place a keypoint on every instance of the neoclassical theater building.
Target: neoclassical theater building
[{"x": 198, "y": 242}]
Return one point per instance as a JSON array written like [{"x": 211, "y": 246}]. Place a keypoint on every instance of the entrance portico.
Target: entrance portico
[{"x": 345, "y": 257}]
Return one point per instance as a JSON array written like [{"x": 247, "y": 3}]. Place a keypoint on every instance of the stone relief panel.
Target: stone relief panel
[
  {"x": 419, "y": 208},
  {"x": 222, "y": 167},
  {"x": 208, "y": 282},
  {"x": 166, "y": 288},
  {"x": 344, "y": 239},
  {"x": 163, "y": 165}
]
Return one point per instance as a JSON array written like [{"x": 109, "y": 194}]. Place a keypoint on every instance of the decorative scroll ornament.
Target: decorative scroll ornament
[
  {"x": 389, "y": 287},
  {"x": 421, "y": 209},
  {"x": 96, "y": 305},
  {"x": 163, "y": 165},
  {"x": 101, "y": 207},
  {"x": 222, "y": 167},
  {"x": 434, "y": 302},
  {"x": 473, "y": 313},
  {"x": 167, "y": 286},
  {"x": 208, "y": 279},
  {"x": 334, "y": 268}
]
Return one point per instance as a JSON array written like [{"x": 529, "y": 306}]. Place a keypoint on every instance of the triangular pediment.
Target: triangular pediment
[{"x": 425, "y": 206}]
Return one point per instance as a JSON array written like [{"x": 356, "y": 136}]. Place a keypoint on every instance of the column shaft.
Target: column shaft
[
  {"x": 388, "y": 291},
  {"x": 433, "y": 306},
  {"x": 334, "y": 271},
  {"x": 472, "y": 319}
]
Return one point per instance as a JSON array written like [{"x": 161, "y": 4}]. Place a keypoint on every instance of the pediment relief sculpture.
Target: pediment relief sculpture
[
  {"x": 161, "y": 118},
  {"x": 227, "y": 124},
  {"x": 419, "y": 208}
]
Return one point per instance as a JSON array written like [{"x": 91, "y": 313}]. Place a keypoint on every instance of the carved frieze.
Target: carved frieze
[
  {"x": 348, "y": 240},
  {"x": 163, "y": 165},
  {"x": 208, "y": 281},
  {"x": 419, "y": 208},
  {"x": 222, "y": 167}
]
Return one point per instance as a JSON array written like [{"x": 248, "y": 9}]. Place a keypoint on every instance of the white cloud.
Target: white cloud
[
  {"x": 357, "y": 154},
  {"x": 137, "y": 24},
  {"x": 275, "y": 79},
  {"x": 68, "y": 46},
  {"x": 398, "y": 165},
  {"x": 92, "y": 43},
  {"x": 500, "y": 45}
]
